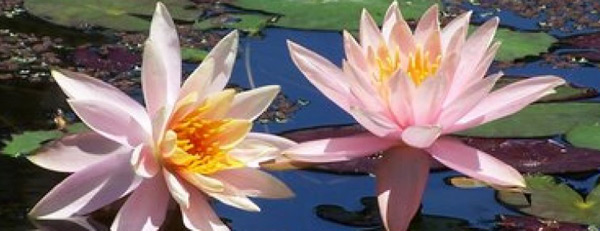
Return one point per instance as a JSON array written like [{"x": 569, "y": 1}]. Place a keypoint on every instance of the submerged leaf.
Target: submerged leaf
[{"x": 557, "y": 201}]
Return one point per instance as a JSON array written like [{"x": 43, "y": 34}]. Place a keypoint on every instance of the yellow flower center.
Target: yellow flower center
[
  {"x": 387, "y": 62},
  {"x": 420, "y": 67},
  {"x": 198, "y": 148}
]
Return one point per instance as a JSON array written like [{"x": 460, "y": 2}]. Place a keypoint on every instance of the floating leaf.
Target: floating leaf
[
  {"x": 329, "y": 15},
  {"x": 193, "y": 54},
  {"x": 540, "y": 120},
  {"x": 526, "y": 155},
  {"x": 29, "y": 141},
  {"x": 585, "y": 136},
  {"x": 129, "y": 15},
  {"x": 369, "y": 217},
  {"x": 465, "y": 182},
  {"x": 564, "y": 92},
  {"x": 251, "y": 23},
  {"x": 557, "y": 201},
  {"x": 523, "y": 223},
  {"x": 516, "y": 44}
]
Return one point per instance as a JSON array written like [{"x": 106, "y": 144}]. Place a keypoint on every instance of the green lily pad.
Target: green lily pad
[
  {"x": 30, "y": 141},
  {"x": 130, "y": 15},
  {"x": 517, "y": 44},
  {"x": 540, "y": 120},
  {"x": 250, "y": 23},
  {"x": 557, "y": 201},
  {"x": 329, "y": 15},
  {"x": 195, "y": 55},
  {"x": 564, "y": 92},
  {"x": 585, "y": 136}
]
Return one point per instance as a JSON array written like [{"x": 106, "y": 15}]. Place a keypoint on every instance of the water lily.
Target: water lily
[
  {"x": 191, "y": 142},
  {"x": 410, "y": 90}
]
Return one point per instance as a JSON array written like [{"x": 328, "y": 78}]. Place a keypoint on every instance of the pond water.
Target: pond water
[{"x": 22, "y": 184}]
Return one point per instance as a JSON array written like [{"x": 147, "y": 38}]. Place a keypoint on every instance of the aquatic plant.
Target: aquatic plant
[
  {"x": 191, "y": 142},
  {"x": 410, "y": 90}
]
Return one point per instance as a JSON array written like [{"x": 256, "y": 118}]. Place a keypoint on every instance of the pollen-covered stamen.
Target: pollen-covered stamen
[
  {"x": 198, "y": 148},
  {"x": 387, "y": 62},
  {"x": 420, "y": 66}
]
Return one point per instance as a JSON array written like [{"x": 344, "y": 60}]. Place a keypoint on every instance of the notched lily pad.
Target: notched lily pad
[
  {"x": 526, "y": 155},
  {"x": 369, "y": 217},
  {"x": 556, "y": 201},
  {"x": 565, "y": 92},
  {"x": 540, "y": 120},
  {"x": 523, "y": 223},
  {"x": 130, "y": 15},
  {"x": 517, "y": 44},
  {"x": 30, "y": 141},
  {"x": 585, "y": 136},
  {"x": 329, "y": 15}
]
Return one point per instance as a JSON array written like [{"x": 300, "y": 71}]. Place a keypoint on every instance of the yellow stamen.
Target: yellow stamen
[
  {"x": 420, "y": 66},
  {"x": 197, "y": 148},
  {"x": 387, "y": 62}
]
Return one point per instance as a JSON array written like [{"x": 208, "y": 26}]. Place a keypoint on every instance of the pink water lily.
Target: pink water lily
[
  {"x": 190, "y": 143},
  {"x": 409, "y": 90}
]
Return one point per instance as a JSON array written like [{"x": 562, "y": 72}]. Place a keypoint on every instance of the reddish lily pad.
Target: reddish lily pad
[
  {"x": 589, "y": 42},
  {"x": 523, "y": 223},
  {"x": 526, "y": 155}
]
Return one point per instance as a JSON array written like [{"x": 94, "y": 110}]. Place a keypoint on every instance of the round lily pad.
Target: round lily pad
[
  {"x": 129, "y": 15},
  {"x": 585, "y": 136},
  {"x": 556, "y": 201}
]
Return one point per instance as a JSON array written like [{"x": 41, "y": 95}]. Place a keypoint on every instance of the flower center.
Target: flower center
[
  {"x": 420, "y": 66},
  {"x": 198, "y": 148},
  {"x": 387, "y": 63}
]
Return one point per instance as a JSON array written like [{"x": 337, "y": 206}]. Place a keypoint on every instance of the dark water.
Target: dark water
[{"x": 22, "y": 184}]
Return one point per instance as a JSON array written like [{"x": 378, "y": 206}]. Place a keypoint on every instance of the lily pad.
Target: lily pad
[
  {"x": 130, "y": 15},
  {"x": 526, "y": 155},
  {"x": 193, "y": 54},
  {"x": 557, "y": 201},
  {"x": 565, "y": 92},
  {"x": 516, "y": 44},
  {"x": 329, "y": 15},
  {"x": 524, "y": 223},
  {"x": 30, "y": 141},
  {"x": 585, "y": 136},
  {"x": 250, "y": 23},
  {"x": 540, "y": 120},
  {"x": 369, "y": 217}
]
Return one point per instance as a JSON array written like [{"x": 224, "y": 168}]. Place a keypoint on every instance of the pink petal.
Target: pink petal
[
  {"x": 260, "y": 147},
  {"x": 428, "y": 24},
  {"x": 428, "y": 99},
  {"x": 277, "y": 141},
  {"x": 144, "y": 162},
  {"x": 511, "y": 99},
  {"x": 378, "y": 124},
  {"x": 254, "y": 183},
  {"x": 88, "y": 190},
  {"x": 76, "y": 152},
  {"x": 163, "y": 35},
  {"x": 474, "y": 163},
  {"x": 328, "y": 78},
  {"x": 236, "y": 200},
  {"x": 250, "y": 104},
  {"x": 401, "y": 97},
  {"x": 199, "y": 215},
  {"x": 110, "y": 121},
  {"x": 455, "y": 32},
  {"x": 421, "y": 136},
  {"x": 392, "y": 17},
  {"x": 354, "y": 52},
  {"x": 177, "y": 188},
  {"x": 79, "y": 86},
  {"x": 401, "y": 180},
  {"x": 466, "y": 101},
  {"x": 223, "y": 57},
  {"x": 339, "y": 149},
  {"x": 145, "y": 209},
  {"x": 154, "y": 79},
  {"x": 370, "y": 35}
]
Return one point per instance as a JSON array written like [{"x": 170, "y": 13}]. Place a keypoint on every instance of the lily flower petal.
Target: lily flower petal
[
  {"x": 177, "y": 189},
  {"x": 110, "y": 121},
  {"x": 339, "y": 149},
  {"x": 199, "y": 215},
  {"x": 88, "y": 190},
  {"x": 250, "y": 104},
  {"x": 154, "y": 78},
  {"x": 143, "y": 161},
  {"x": 421, "y": 136},
  {"x": 254, "y": 183},
  {"x": 401, "y": 179},
  {"x": 76, "y": 152},
  {"x": 163, "y": 35},
  {"x": 474, "y": 163},
  {"x": 259, "y": 147},
  {"x": 146, "y": 208},
  {"x": 370, "y": 35}
]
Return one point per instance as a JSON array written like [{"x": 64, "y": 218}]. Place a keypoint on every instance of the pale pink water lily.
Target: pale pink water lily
[
  {"x": 409, "y": 90},
  {"x": 190, "y": 143}
]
